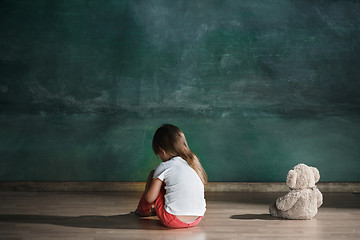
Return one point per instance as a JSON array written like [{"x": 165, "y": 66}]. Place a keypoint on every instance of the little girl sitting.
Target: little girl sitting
[{"x": 176, "y": 187}]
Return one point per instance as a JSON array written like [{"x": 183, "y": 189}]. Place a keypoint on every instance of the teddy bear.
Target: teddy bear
[{"x": 304, "y": 199}]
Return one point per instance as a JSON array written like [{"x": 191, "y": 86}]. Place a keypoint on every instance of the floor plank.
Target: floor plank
[{"x": 106, "y": 215}]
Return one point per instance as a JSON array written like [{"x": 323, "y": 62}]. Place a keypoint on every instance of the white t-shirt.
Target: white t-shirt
[{"x": 184, "y": 188}]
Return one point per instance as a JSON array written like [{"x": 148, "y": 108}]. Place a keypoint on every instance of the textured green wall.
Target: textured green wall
[{"x": 257, "y": 87}]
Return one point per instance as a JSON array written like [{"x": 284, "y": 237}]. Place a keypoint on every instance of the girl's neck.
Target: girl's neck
[{"x": 165, "y": 156}]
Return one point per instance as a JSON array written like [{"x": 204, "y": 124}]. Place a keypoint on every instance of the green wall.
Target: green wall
[{"x": 256, "y": 86}]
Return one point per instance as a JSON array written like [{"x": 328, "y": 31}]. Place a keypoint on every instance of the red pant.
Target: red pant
[{"x": 166, "y": 218}]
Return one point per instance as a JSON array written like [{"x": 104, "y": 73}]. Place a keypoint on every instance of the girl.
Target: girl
[{"x": 176, "y": 187}]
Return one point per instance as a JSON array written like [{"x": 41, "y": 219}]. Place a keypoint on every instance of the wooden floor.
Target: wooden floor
[{"x": 99, "y": 215}]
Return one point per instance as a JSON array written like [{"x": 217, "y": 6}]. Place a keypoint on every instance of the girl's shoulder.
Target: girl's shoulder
[{"x": 174, "y": 161}]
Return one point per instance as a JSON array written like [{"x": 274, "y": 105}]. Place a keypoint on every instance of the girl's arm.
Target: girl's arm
[{"x": 153, "y": 191}]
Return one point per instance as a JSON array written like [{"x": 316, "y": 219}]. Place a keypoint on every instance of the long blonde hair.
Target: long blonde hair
[{"x": 172, "y": 140}]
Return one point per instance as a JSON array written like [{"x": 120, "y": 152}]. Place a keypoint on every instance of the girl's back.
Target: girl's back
[{"x": 184, "y": 188}]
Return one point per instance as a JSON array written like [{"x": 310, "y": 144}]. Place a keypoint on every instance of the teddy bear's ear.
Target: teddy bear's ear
[
  {"x": 291, "y": 179},
  {"x": 316, "y": 174}
]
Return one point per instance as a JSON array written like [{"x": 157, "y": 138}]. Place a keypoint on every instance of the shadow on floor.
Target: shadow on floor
[
  {"x": 254, "y": 217},
  {"x": 125, "y": 221}
]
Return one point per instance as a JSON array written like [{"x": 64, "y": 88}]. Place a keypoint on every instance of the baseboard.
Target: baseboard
[
  {"x": 278, "y": 187},
  {"x": 139, "y": 186},
  {"x": 73, "y": 186}
]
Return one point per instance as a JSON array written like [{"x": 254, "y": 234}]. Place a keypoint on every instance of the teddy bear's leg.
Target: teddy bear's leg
[{"x": 274, "y": 211}]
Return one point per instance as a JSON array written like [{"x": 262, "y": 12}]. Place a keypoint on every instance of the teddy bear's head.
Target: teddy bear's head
[{"x": 302, "y": 176}]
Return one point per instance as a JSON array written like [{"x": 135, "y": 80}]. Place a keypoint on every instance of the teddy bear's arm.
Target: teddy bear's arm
[
  {"x": 288, "y": 201},
  {"x": 319, "y": 198}
]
